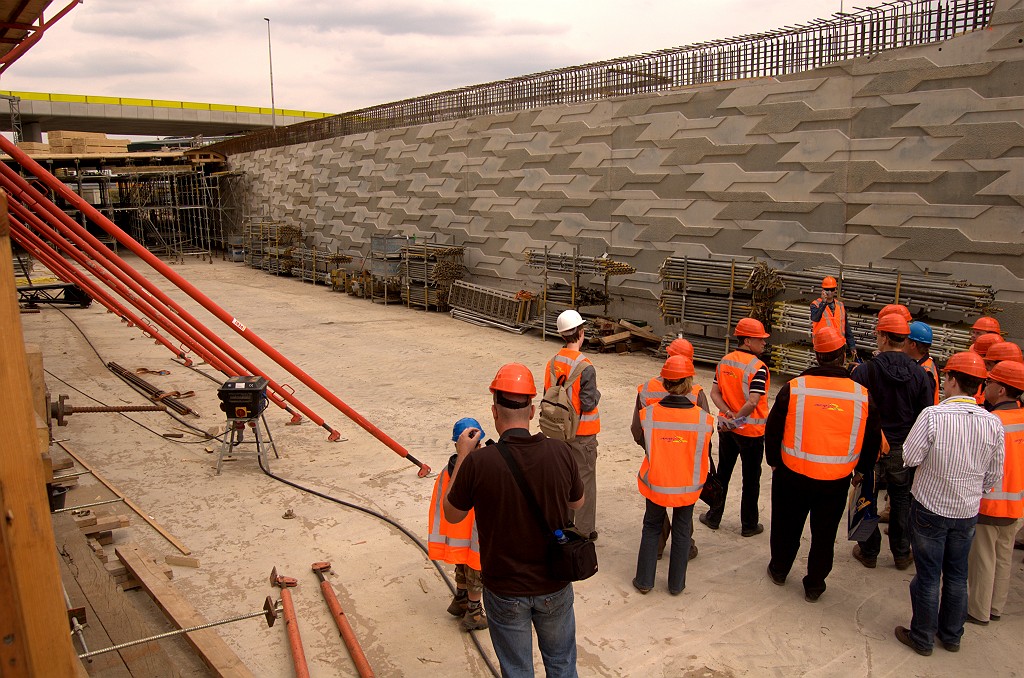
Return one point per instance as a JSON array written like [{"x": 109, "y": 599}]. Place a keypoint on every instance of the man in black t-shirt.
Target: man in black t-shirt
[{"x": 518, "y": 591}]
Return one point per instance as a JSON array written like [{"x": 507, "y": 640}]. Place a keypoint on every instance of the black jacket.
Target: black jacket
[{"x": 900, "y": 388}]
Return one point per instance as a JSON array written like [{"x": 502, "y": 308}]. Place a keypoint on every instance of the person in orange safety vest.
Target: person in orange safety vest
[
  {"x": 653, "y": 391},
  {"x": 828, "y": 311},
  {"x": 822, "y": 427},
  {"x": 676, "y": 437},
  {"x": 739, "y": 390},
  {"x": 458, "y": 544},
  {"x": 585, "y": 398},
  {"x": 918, "y": 346},
  {"x": 1001, "y": 514}
]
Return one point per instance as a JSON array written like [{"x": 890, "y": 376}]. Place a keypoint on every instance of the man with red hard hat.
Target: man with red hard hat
[
  {"x": 822, "y": 427},
  {"x": 1004, "y": 350},
  {"x": 676, "y": 437},
  {"x": 828, "y": 311},
  {"x": 653, "y": 391},
  {"x": 739, "y": 390},
  {"x": 984, "y": 325},
  {"x": 901, "y": 390},
  {"x": 1001, "y": 512},
  {"x": 519, "y": 593},
  {"x": 957, "y": 449}
]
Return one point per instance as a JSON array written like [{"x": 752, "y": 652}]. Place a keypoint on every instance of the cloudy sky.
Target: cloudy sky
[{"x": 337, "y": 56}]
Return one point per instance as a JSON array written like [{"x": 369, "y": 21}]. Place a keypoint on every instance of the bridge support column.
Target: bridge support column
[{"x": 31, "y": 131}]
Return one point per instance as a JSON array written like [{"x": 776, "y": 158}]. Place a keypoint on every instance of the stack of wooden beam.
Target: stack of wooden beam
[{"x": 85, "y": 143}]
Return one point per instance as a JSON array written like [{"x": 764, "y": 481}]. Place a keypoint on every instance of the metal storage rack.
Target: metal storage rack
[
  {"x": 386, "y": 267},
  {"x": 428, "y": 271}
]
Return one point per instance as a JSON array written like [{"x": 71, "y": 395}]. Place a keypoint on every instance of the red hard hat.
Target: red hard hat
[
  {"x": 751, "y": 327},
  {"x": 1009, "y": 373},
  {"x": 680, "y": 347},
  {"x": 829, "y": 283},
  {"x": 1004, "y": 350},
  {"x": 898, "y": 309},
  {"x": 967, "y": 362},
  {"x": 986, "y": 324},
  {"x": 893, "y": 322},
  {"x": 677, "y": 367},
  {"x": 827, "y": 339},
  {"x": 514, "y": 378},
  {"x": 983, "y": 343}
]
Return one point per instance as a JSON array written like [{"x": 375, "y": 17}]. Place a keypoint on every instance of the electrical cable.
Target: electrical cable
[{"x": 415, "y": 540}]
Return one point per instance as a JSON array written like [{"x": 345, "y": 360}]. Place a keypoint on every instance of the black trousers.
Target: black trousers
[
  {"x": 750, "y": 451},
  {"x": 794, "y": 496}
]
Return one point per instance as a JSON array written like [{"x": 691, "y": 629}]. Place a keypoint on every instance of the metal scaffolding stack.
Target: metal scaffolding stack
[
  {"x": 315, "y": 264},
  {"x": 269, "y": 245},
  {"x": 428, "y": 271},
  {"x": 873, "y": 287}
]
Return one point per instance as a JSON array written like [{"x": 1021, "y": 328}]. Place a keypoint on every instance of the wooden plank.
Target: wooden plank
[
  {"x": 106, "y": 524},
  {"x": 210, "y": 646},
  {"x": 128, "y": 502},
  {"x": 113, "y": 612},
  {"x": 36, "y": 640},
  {"x": 614, "y": 338},
  {"x": 183, "y": 561}
]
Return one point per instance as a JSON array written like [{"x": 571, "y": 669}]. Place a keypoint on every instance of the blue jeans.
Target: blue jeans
[
  {"x": 509, "y": 619},
  {"x": 890, "y": 470},
  {"x": 941, "y": 547},
  {"x": 647, "y": 557}
]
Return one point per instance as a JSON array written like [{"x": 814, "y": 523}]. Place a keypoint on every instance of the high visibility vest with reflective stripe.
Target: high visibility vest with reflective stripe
[
  {"x": 454, "y": 543},
  {"x": 675, "y": 464},
  {"x": 929, "y": 366},
  {"x": 565, "y": 361},
  {"x": 1007, "y": 501},
  {"x": 836, "y": 320},
  {"x": 654, "y": 390},
  {"x": 734, "y": 375},
  {"x": 824, "y": 426}
]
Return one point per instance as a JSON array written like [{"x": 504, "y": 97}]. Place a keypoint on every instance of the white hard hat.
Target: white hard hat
[{"x": 568, "y": 321}]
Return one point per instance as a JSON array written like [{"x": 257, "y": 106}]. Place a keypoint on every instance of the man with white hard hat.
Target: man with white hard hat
[{"x": 585, "y": 397}]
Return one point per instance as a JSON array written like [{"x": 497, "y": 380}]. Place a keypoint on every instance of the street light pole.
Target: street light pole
[{"x": 270, "y": 55}]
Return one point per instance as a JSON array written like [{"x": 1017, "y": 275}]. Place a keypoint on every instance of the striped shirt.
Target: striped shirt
[{"x": 958, "y": 450}]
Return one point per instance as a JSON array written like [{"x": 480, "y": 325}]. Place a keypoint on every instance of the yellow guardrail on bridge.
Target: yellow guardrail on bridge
[{"x": 159, "y": 103}]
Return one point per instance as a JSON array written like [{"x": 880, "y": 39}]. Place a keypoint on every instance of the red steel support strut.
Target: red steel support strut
[
  {"x": 344, "y": 628},
  {"x": 291, "y": 623},
  {"x": 97, "y": 218}
]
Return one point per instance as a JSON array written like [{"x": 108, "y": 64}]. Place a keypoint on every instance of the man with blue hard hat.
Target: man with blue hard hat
[
  {"x": 458, "y": 543},
  {"x": 917, "y": 346}
]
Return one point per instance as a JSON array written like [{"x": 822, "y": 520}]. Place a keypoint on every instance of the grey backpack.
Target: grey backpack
[{"x": 558, "y": 418}]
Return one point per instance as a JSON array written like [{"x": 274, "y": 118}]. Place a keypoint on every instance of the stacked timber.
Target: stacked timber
[{"x": 84, "y": 143}]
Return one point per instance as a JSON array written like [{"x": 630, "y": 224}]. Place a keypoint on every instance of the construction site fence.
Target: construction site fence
[{"x": 790, "y": 49}]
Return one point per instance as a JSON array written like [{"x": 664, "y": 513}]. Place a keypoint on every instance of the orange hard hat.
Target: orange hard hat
[
  {"x": 986, "y": 324},
  {"x": 677, "y": 367},
  {"x": 829, "y": 283},
  {"x": 1009, "y": 373},
  {"x": 1004, "y": 350},
  {"x": 983, "y": 343},
  {"x": 898, "y": 309},
  {"x": 893, "y": 322},
  {"x": 751, "y": 327},
  {"x": 967, "y": 362},
  {"x": 680, "y": 347},
  {"x": 514, "y": 378},
  {"x": 828, "y": 339}
]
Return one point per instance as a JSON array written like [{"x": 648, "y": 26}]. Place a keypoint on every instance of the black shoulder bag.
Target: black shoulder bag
[
  {"x": 712, "y": 491},
  {"x": 574, "y": 557}
]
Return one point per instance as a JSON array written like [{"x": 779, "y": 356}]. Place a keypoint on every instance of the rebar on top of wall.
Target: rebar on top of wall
[{"x": 790, "y": 49}]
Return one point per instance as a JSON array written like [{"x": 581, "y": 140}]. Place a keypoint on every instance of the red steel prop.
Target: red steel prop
[
  {"x": 291, "y": 622},
  {"x": 344, "y": 628},
  {"x": 96, "y": 217}
]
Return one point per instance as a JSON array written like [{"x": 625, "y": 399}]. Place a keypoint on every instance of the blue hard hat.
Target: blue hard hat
[
  {"x": 464, "y": 423},
  {"x": 920, "y": 332}
]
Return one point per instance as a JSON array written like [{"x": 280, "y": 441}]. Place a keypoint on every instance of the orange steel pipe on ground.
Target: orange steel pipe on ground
[
  {"x": 291, "y": 622},
  {"x": 341, "y": 621},
  {"x": 97, "y": 218}
]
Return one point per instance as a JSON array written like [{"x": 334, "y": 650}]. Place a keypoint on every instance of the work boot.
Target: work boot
[
  {"x": 474, "y": 619},
  {"x": 708, "y": 520},
  {"x": 457, "y": 608},
  {"x": 752, "y": 531},
  {"x": 864, "y": 560},
  {"x": 904, "y": 563},
  {"x": 693, "y": 550}
]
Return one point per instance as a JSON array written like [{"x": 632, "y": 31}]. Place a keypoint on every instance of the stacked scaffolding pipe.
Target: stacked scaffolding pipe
[
  {"x": 878, "y": 287},
  {"x": 706, "y": 350},
  {"x": 22, "y": 191},
  {"x": 578, "y": 264},
  {"x": 704, "y": 309},
  {"x": 705, "y": 274}
]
